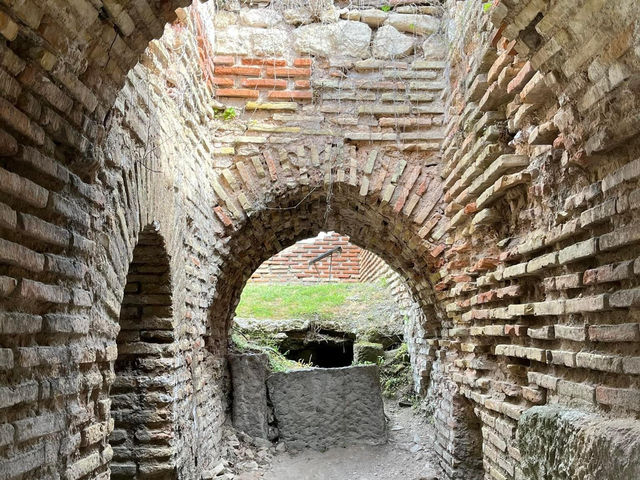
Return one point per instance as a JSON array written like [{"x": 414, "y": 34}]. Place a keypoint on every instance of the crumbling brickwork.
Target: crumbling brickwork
[{"x": 489, "y": 155}]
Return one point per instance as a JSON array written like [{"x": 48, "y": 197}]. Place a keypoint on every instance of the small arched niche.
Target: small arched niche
[{"x": 142, "y": 394}]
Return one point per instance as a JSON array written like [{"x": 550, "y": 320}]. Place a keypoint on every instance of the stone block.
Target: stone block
[
  {"x": 558, "y": 443},
  {"x": 323, "y": 408},
  {"x": 367, "y": 352},
  {"x": 389, "y": 43},
  {"x": 578, "y": 251},
  {"x": 248, "y": 377},
  {"x": 620, "y": 237},
  {"x": 628, "y": 398},
  {"x": 626, "y": 332},
  {"x": 575, "y": 333}
]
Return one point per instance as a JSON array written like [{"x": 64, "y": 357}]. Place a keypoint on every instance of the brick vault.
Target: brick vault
[{"x": 153, "y": 155}]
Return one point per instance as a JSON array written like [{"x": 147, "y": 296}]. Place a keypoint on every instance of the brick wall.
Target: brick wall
[
  {"x": 491, "y": 159},
  {"x": 537, "y": 263},
  {"x": 292, "y": 264}
]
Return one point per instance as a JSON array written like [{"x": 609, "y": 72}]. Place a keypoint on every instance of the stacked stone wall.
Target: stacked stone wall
[
  {"x": 95, "y": 150},
  {"x": 83, "y": 173}
]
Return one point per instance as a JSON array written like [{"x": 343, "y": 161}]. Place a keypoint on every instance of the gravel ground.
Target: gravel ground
[{"x": 408, "y": 455}]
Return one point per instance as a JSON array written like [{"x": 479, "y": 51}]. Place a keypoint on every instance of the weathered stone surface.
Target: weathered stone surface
[
  {"x": 323, "y": 408},
  {"x": 234, "y": 41},
  {"x": 434, "y": 48},
  {"x": 262, "y": 18},
  {"x": 298, "y": 16},
  {"x": 314, "y": 39},
  {"x": 367, "y": 352},
  {"x": 389, "y": 43},
  {"x": 420, "y": 24},
  {"x": 344, "y": 37},
  {"x": 558, "y": 443},
  {"x": 269, "y": 43},
  {"x": 248, "y": 377}
]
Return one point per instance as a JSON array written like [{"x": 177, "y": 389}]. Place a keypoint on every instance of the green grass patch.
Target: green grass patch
[{"x": 325, "y": 301}]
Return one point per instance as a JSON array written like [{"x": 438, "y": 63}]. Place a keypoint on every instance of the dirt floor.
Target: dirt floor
[{"x": 408, "y": 455}]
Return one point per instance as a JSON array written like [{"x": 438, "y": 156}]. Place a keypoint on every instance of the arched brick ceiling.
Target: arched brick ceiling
[{"x": 303, "y": 212}]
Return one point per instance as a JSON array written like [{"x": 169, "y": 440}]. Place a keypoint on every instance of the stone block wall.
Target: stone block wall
[
  {"x": 321, "y": 408},
  {"x": 292, "y": 264}
]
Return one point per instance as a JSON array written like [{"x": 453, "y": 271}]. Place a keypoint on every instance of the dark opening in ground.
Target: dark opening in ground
[
  {"x": 324, "y": 354},
  {"x": 318, "y": 347}
]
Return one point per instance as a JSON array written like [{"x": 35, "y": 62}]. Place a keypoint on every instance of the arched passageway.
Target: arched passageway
[
  {"x": 142, "y": 395},
  {"x": 305, "y": 212}
]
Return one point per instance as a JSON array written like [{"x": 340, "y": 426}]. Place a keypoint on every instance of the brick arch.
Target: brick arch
[{"x": 305, "y": 210}]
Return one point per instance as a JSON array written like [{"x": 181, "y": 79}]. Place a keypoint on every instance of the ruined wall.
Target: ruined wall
[
  {"x": 292, "y": 264},
  {"x": 83, "y": 173},
  {"x": 94, "y": 150},
  {"x": 540, "y": 173},
  {"x": 321, "y": 408}
]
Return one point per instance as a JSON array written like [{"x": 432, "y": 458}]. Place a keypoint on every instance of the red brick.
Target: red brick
[
  {"x": 271, "y": 165},
  {"x": 302, "y": 62},
  {"x": 272, "y": 62},
  {"x": 487, "y": 263},
  {"x": 614, "y": 272},
  {"x": 253, "y": 71},
  {"x": 302, "y": 83},
  {"x": 516, "y": 330},
  {"x": 222, "y": 216},
  {"x": 264, "y": 83},
  {"x": 404, "y": 193},
  {"x": 297, "y": 95},
  {"x": 223, "y": 60},
  {"x": 462, "y": 278},
  {"x": 42, "y": 292},
  {"x": 623, "y": 397},
  {"x": 436, "y": 251},
  {"x": 223, "y": 81},
  {"x": 497, "y": 35},
  {"x": 510, "y": 291},
  {"x": 288, "y": 72},
  {"x": 520, "y": 80},
  {"x": 470, "y": 208},
  {"x": 237, "y": 92}
]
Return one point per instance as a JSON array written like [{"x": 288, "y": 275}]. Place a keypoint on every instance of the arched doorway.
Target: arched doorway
[{"x": 142, "y": 394}]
